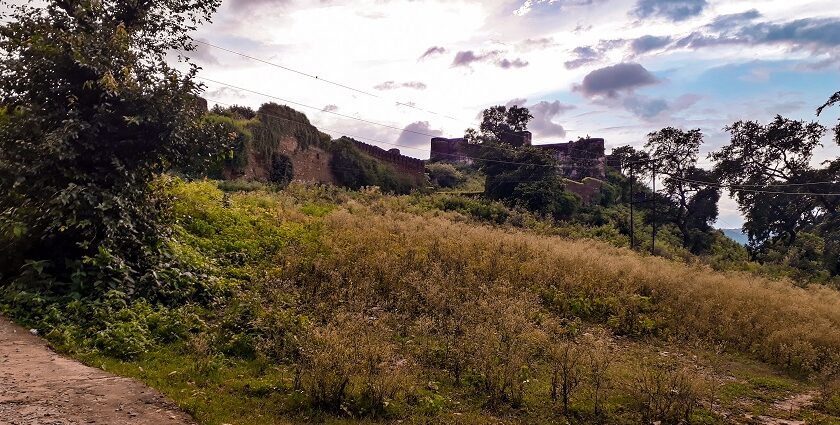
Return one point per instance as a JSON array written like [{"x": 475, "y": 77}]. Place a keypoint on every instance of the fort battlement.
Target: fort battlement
[
  {"x": 578, "y": 159},
  {"x": 393, "y": 157}
]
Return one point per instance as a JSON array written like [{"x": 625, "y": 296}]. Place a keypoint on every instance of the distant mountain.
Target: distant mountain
[{"x": 737, "y": 235}]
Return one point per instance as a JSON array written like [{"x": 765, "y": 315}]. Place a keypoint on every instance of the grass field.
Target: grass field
[{"x": 336, "y": 306}]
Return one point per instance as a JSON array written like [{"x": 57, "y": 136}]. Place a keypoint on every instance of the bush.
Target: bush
[
  {"x": 349, "y": 366},
  {"x": 665, "y": 393},
  {"x": 444, "y": 175}
]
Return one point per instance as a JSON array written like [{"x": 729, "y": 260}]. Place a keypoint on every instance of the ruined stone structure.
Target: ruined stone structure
[
  {"x": 452, "y": 150},
  {"x": 579, "y": 159},
  {"x": 408, "y": 166}
]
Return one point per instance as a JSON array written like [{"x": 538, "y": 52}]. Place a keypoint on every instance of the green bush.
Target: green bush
[{"x": 445, "y": 175}]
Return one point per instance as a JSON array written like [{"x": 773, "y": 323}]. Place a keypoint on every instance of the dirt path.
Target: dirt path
[{"x": 37, "y": 386}]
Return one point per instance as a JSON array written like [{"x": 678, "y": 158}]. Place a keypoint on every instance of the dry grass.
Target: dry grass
[{"x": 462, "y": 277}]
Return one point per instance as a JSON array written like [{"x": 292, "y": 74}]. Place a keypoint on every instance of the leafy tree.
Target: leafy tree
[
  {"x": 675, "y": 154},
  {"x": 626, "y": 156},
  {"x": 94, "y": 114},
  {"x": 500, "y": 124},
  {"x": 757, "y": 160},
  {"x": 832, "y": 101},
  {"x": 517, "y": 174}
]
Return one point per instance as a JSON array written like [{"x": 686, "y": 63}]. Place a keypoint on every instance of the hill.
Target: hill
[{"x": 335, "y": 306}]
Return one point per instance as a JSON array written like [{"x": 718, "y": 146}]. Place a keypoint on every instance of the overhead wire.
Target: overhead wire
[
  {"x": 334, "y": 83},
  {"x": 571, "y": 161}
]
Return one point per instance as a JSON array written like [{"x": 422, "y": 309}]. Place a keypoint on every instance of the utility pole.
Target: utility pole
[
  {"x": 632, "y": 220},
  {"x": 653, "y": 239}
]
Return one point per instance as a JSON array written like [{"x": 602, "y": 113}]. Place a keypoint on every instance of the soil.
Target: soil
[{"x": 38, "y": 386}]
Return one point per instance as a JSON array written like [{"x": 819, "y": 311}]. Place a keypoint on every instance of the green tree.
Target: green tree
[
  {"x": 627, "y": 156},
  {"x": 832, "y": 101},
  {"x": 675, "y": 154},
  {"x": 95, "y": 113},
  {"x": 500, "y": 124},
  {"x": 760, "y": 158},
  {"x": 518, "y": 174}
]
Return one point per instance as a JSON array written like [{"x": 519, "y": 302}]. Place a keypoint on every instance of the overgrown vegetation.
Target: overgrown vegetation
[
  {"x": 93, "y": 113},
  {"x": 340, "y": 304}
]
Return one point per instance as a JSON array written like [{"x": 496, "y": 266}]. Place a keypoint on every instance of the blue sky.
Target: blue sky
[{"x": 617, "y": 69}]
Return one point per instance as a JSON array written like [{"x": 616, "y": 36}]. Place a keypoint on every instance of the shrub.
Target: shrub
[
  {"x": 349, "y": 366},
  {"x": 445, "y": 175},
  {"x": 665, "y": 393}
]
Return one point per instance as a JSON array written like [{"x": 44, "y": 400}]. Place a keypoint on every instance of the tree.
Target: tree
[
  {"x": 832, "y": 101},
  {"x": 757, "y": 164},
  {"x": 518, "y": 174},
  {"x": 627, "y": 156},
  {"x": 502, "y": 125},
  {"x": 94, "y": 114},
  {"x": 691, "y": 189}
]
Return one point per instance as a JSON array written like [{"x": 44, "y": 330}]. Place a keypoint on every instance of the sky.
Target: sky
[{"x": 616, "y": 69}]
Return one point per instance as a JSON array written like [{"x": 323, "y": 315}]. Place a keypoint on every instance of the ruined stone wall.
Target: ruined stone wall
[
  {"x": 411, "y": 167},
  {"x": 588, "y": 189},
  {"x": 311, "y": 165}
]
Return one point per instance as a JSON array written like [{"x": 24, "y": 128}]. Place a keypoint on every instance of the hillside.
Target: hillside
[{"x": 329, "y": 305}]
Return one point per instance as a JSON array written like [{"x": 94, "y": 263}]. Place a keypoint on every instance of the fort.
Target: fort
[
  {"x": 578, "y": 159},
  {"x": 405, "y": 164}
]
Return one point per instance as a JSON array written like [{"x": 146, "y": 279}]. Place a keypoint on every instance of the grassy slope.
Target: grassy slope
[{"x": 431, "y": 317}]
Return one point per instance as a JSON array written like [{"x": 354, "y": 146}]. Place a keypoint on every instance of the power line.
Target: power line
[
  {"x": 389, "y": 143},
  {"x": 361, "y": 120},
  {"x": 345, "y": 86},
  {"x": 740, "y": 189}
]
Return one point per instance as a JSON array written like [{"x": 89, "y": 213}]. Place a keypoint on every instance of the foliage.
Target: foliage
[
  {"x": 444, "y": 175},
  {"x": 501, "y": 124},
  {"x": 689, "y": 188},
  {"x": 517, "y": 173},
  {"x": 338, "y": 304},
  {"x": 832, "y": 101},
  {"x": 96, "y": 112},
  {"x": 354, "y": 169},
  {"x": 282, "y": 171},
  {"x": 759, "y": 157}
]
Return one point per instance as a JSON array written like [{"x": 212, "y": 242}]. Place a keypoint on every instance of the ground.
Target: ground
[{"x": 38, "y": 386}]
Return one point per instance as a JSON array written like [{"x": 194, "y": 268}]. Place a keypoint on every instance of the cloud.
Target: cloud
[
  {"x": 544, "y": 113},
  {"x": 252, "y": 4},
  {"x": 649, "y": 108},
  {"x": 587, "y": 55},
  {"x": 536, "y": 44},
  {"x": 507, "y": 63},
  {"x": 815, "y": 34},
  {"x": 530, "y": 5},
  {"x": 468, "y": 57},
  {"x": 417, "y": 134},
  {"x": 391, "y": 85},
  {"x": 674, "y": 10},
  {"x": 645, "y": 107},
  {"x": 225, "y": 93},
  {"x": 432, "y": 51},
  {"x": 609, "y": 81},
  {"x": 647, "y": 43},
  {"x": 330, "y": 108},
  {"x": 725, "y": 22}
]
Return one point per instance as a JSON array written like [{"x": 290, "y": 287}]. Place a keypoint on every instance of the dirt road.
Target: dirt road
[{"x": 38, "y": 386}]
